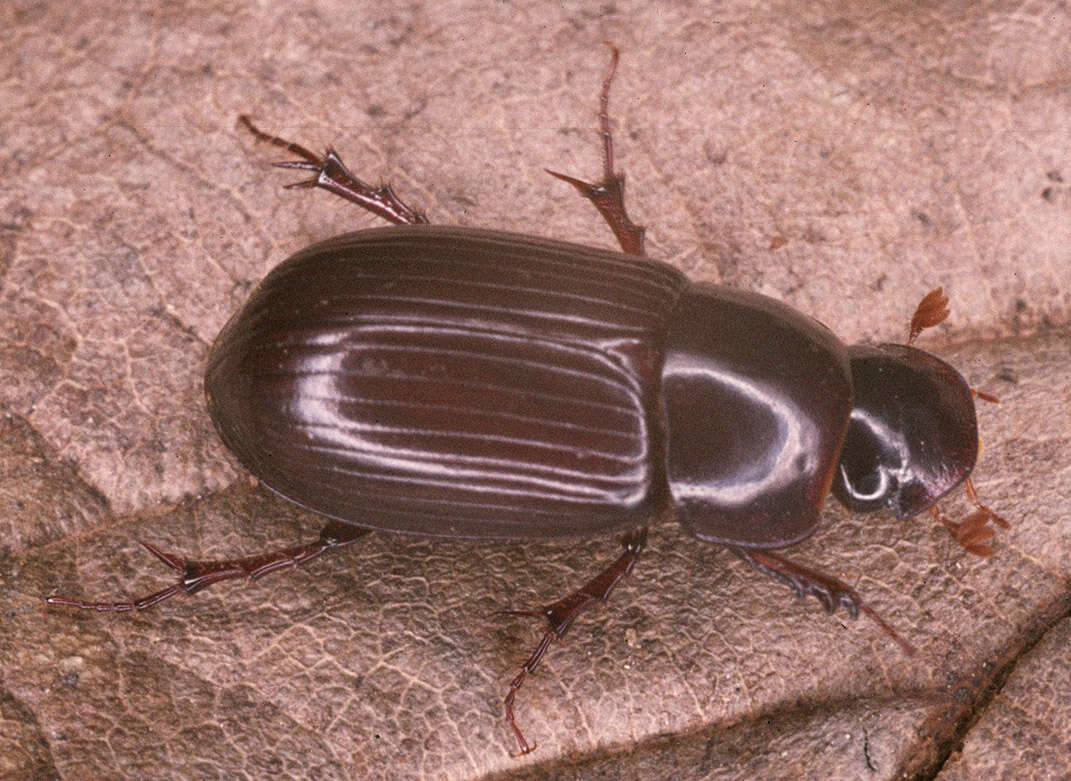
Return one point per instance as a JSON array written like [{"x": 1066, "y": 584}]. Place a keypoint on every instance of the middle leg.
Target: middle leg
[
  {"x": 608, "y": 196},
  {"x": 561, "y": 615}
]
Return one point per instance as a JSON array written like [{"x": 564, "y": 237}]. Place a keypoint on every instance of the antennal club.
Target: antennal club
[{"x": 932, "y": 310}]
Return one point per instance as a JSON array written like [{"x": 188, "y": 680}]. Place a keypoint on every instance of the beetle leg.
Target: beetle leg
[
  {"x": 827, "y": 589},
  {"x": 196, "y": 575},
  {"x": 973, "y": 531},
  {"x": 608, "y": 196},
  {"x": 332, "y": 175},
  {"x": 564, "y": 612}
]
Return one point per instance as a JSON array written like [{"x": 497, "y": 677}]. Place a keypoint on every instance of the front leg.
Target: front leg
[{"x": 828, "y": 590}]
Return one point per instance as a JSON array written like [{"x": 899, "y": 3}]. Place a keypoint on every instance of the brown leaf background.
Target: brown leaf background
[{"x": 843, "y": 157}]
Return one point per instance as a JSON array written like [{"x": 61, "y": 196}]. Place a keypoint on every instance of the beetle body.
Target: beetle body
[{"x": 459, "y": 382}]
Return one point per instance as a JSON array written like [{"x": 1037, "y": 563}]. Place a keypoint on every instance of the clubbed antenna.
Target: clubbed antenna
[{"x": 932, "y": 310}]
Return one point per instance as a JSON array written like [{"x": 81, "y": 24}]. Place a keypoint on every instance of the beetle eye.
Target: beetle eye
[
  {"x": 866, "y": 476},
  {"x": 870, "y": 486}
]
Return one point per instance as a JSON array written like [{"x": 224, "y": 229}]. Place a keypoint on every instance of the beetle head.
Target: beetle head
[{"x": 913, "y": 435}]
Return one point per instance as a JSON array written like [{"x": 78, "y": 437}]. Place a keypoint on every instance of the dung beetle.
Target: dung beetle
[{"x": 465, "y": 383}]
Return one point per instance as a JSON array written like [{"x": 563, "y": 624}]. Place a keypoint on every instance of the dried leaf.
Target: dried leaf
[{"x": 890, "y": 150}]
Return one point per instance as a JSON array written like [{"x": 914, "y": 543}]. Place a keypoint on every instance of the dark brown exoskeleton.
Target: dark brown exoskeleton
[{"x": 457, "y": 382}]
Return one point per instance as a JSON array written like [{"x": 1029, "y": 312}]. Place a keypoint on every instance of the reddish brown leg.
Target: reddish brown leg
[
  {"x": 564, "y": 612},
  {"x": 828, "y": 590},
  {"x": 196, "y": 575},
  {"x": 609, "y": 194},
  {"x": 973, "y": 531},
  {"x": 333, "y": 176}
]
